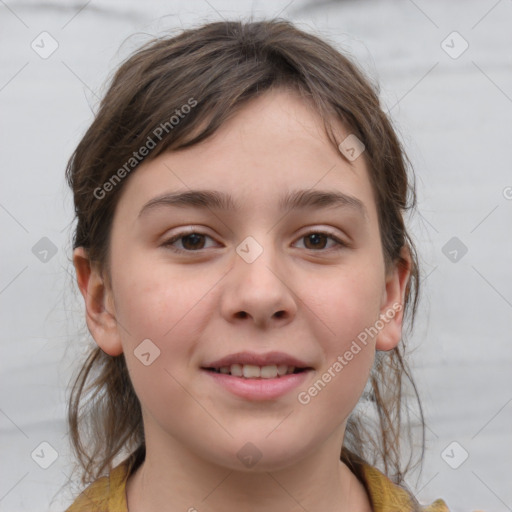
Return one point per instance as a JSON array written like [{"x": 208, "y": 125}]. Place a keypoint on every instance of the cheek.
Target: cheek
[
  {"x": 348, "y": 309},
  {"x": 155, "y": 300},
  {"x": 335, "y": 389},
  {"x": 157, "y": 307},
  {"x": 346, "y": 303},
  {"x": 171, "y": 310}
]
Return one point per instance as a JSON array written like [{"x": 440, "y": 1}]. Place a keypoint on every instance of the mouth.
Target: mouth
[
  {"x": 258, "y": 377},
  {"x": 251, "y": 371},
  {"x": 251, "y": 365}
]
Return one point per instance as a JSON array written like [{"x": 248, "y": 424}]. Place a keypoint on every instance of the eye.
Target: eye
[
  {"x": 191, "y": 241},
  {"x": 317, "y": 239}
]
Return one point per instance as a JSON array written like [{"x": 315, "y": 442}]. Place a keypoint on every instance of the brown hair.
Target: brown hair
[{"x": 223, "y": 65}]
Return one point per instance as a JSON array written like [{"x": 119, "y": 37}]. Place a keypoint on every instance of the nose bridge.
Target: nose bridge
[
  {"x": 254, "y": 262},
  {"x": 257, "y": 287}
]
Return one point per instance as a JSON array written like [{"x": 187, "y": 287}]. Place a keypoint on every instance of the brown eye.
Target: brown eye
[
  {"x": 190, "y": 241},
  {"x": 317, "y": 240}
]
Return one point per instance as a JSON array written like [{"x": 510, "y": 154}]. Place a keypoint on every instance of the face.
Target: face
[{"x": 273, "y": 286}]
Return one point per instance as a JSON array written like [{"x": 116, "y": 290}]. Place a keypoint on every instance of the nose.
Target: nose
[{"x": 259, "y": 292}]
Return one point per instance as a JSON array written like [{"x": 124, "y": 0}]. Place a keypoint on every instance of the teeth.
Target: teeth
[
  {"x": 269, "y": 372},
  {"x": 236, "y": 370},
  {"x": 251, "y": 371},
  {"x": 281, "y": 369}
]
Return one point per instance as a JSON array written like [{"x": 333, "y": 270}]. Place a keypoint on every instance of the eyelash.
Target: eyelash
[{"x": 184, "y": 234}]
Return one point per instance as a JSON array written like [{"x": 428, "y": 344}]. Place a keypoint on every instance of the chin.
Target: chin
[{"x": 258, "y": 456}]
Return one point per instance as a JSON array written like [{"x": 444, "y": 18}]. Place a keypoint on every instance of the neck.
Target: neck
[{"x": 176, "y": 479}]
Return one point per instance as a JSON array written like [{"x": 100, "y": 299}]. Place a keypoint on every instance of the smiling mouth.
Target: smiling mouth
[{"x": 250, "y": 371}]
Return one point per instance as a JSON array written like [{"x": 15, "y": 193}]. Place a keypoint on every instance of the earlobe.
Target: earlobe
[
  {"x": 391, "y": 313},
  {"x": 100, "y": 313}
]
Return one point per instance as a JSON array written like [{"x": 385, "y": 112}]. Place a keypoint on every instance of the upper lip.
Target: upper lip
[{"x": 267, "y": 359}]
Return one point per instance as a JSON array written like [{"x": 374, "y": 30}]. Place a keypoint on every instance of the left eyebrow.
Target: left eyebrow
[{"x": 294, "y": 200}]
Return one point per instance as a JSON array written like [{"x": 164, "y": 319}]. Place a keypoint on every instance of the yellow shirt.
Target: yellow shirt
[{"x": 108, "y": 494}]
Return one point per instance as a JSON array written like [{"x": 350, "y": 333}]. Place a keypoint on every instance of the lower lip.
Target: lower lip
[{"x": 259, "y": 389}]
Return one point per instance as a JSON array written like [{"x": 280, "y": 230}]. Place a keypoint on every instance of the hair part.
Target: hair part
[{"x": 224, "y": 65}]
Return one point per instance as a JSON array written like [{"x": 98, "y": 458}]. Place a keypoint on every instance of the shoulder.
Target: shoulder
[
  {"x": 385, "y": 496},
  {"x": 106, "y": 494}
]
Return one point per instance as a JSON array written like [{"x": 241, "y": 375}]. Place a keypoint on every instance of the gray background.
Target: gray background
[{"x": 453, "y": 111}]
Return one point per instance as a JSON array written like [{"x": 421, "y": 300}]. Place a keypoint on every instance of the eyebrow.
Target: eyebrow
[{"x": 294, "y": 200}]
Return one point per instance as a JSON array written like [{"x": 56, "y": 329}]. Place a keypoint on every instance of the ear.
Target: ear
[
  {"x": 99, "y": 304},
  {"x": 392, "y": 305}
]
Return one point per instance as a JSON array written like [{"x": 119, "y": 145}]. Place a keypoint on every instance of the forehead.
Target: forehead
[{"x": 273, "y": 145}]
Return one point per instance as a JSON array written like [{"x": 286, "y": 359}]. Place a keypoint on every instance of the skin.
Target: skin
[{"x": 190, "y": 305}]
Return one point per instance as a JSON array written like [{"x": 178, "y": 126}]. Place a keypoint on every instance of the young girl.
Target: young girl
[{"x": 246, "y": 271}]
